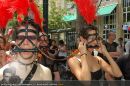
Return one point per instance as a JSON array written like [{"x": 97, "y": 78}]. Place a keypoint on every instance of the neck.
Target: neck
[
  {"x": 110, "y": 41},
  {"x": 25, "y": 61}
]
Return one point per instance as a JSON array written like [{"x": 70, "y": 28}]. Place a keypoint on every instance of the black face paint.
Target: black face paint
[{"x": 90, "y": 46}]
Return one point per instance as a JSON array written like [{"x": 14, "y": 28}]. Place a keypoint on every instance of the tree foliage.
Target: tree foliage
[{"x": 55, "y": 17}]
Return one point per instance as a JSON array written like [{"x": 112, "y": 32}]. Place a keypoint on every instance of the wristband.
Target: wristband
[{"x": 83, "y": 54}]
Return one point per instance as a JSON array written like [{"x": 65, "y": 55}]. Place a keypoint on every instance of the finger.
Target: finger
[
  {"x": 85, "y": 43},
  {"x": 81, "y": 43},
  {"x": 100, "y": 42}
]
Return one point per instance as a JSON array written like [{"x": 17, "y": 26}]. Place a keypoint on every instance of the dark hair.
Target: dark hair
[
  {"x": 14, "y": 80},
  {"x": 84, "y": 31},
  {"x": 120, "y": 39},
  {"x": 109, "y": 33},
  {"x": 9, "y": 70},
  {"x": 61, "y": 42}
]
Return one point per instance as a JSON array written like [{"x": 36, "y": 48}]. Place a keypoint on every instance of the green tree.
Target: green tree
[{"x": 55, "y": 18}]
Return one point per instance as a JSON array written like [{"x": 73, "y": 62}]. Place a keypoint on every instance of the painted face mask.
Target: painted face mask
[{"x": 91, "y": 37}]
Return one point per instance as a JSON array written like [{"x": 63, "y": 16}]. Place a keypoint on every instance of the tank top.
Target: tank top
[{"x": 97, "y": 75}]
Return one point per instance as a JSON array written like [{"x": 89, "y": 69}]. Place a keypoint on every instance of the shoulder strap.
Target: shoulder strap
[{"x": 31, "y": 74}]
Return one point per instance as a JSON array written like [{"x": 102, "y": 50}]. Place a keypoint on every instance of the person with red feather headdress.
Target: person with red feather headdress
[
  {"x": 26, "y": 34},
  {"x": 87, "y": 64}
]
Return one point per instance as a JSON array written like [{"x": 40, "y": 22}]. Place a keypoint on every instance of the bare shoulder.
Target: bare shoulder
[{"x": 73, "y": 62}]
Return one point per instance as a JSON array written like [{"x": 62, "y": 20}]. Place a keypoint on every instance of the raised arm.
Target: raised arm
[
  {"x": 113, "y": 68},
  {"x": 80, "y": 69}
]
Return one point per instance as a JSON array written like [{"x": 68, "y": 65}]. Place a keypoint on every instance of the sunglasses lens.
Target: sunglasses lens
[{"x": 90, "y": 46}]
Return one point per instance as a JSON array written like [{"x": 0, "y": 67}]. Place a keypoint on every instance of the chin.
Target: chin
[{"x": 26, "y": 55}]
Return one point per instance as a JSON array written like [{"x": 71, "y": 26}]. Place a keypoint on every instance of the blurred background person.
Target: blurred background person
[
  {"x": 4, "y": 57},
  {"x": 121, "y": 47},
  {"x": 127, "y": 47},
  {"x": 50, "y": 48},
  {"x": 62, "y": 51},
  {"x": 111, "y": 46}
]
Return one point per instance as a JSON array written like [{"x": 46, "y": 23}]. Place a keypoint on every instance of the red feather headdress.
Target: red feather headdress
[
  {"x": 5, "y": 14},
  {"x": 87, "y": 9},
  {"x": 9, "y": 7}
]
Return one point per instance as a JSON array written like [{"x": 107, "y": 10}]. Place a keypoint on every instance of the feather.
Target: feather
[
  {"x": 19, "y": 18},
  {"x": 87, "y": 9},
  {"x": 5, "y": 3},
  {"x": 5, "y": 14},
  {"x": 9, "y": 7},
  {"x": 21, "y": 6}
]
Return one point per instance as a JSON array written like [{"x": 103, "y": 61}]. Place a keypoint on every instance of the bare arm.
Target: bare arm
[
  {"x": 56, "y": 76},
  {"x": 115, "y": 54},
  {"x": 80, "y": 70},
  {"x": 113, "y": 68}
]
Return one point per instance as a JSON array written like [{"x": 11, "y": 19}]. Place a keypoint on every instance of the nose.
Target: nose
[
  {"x": 26, "y": 41},
  {"x": 94, "y": 42}
]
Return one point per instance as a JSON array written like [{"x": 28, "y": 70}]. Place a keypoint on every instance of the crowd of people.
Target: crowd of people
[
  {"x": 30, "y": 55},
  {"x": 34, "y": 53}
]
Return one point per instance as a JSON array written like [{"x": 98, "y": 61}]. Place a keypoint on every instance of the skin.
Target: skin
[
  {"x": 82, "y": 70},
  {"x": 26, "y": 45},
  {"x": 42, "y": 72},
  {"x": 43, "y": 40},
  {"x": 3, "y": 55},
  {"x": 111, "y": 38}
]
